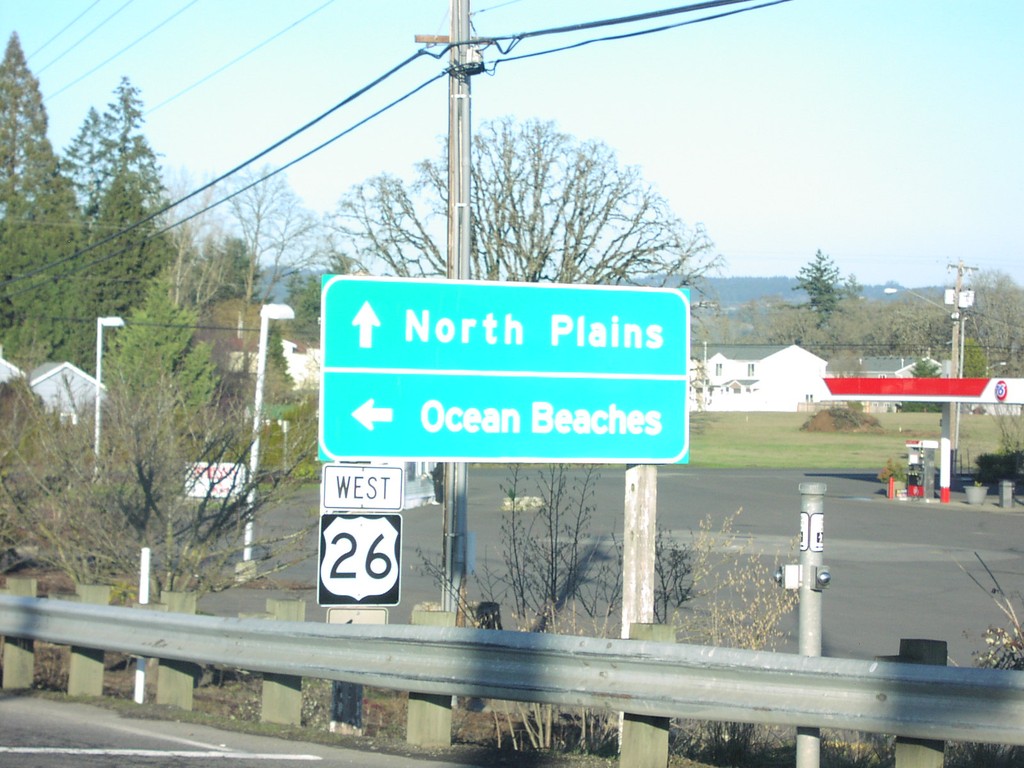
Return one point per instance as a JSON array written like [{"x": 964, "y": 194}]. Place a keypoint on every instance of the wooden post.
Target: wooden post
[
  {"x": 19, "y": 652},
  {"x": 282, "y": 694},
  {"x": 640, "y": 527},
  {"x": 645, "y": 737},
  {"x": 920, "y": 753},
  {"x": 177, "y": 679},
  {"x": 429, "y": 720},
  {"x": 85, "y": 666}
]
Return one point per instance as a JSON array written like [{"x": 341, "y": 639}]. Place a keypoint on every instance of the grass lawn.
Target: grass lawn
[{"x": 773, "y": 440}]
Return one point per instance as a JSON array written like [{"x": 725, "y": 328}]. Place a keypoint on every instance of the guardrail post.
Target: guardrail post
[
  {"x": 429, "y": 720},
  {"x": 645, "y": 738},
  {"x": 85, "y": 666},
  {"x": 19, "y": 652},
  {"x": 282, "y": 694},
  {"x": 177, "y": 679},
  {"x": 920, "y": 753}
]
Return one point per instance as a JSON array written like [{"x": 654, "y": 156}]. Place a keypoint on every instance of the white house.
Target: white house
[
  {"x": 757, "y": 377},
  {"x": 64, "y": 388},
  {"x": 303, "y": 364},
  {"x": 8, "y": 370}
]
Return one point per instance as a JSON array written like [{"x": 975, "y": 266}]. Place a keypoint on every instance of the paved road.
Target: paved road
[
  {"x": 38, "y": 733},
  {"x": 895, "y": 563}
]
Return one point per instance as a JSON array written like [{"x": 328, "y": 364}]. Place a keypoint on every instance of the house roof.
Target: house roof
[
  {"x": 889, "y": 365},
  {"x": 48, "y": 370},
  {"x": 744, "y": 351},
  {"x": 8, "y": 370},
  {"x": 749, "y": 352}
]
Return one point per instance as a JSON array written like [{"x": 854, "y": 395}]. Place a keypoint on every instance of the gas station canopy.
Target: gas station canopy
[
  {"x": 944, "y": 391},
  {"x": 992, "y": 391}
]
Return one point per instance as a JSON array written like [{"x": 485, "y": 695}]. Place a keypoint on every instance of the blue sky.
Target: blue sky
[{"x": 887, "y": 134}]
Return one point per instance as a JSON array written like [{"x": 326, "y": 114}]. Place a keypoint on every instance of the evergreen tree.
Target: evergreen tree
[
  {"x": 304, "y": 297},
  {"x": 820, "y": 281},
  {"x": 157, "y": 349},
  {"x": 975, "y": 362},
  {"x": 925, "y": 369},
  {"x": 84, "y": 159},
  {"x": 37, "y": 215},
  {"x": 117, "y": 180}
]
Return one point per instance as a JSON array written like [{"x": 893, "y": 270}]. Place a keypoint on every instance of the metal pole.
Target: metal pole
[
  {"x": 812, "y": 544},
  {"x": 955, "y": 362},
  {"x": 268, "y": 312},
  {"x": 101, "y": 323},
  {"x": 459, "y": 239},
  {"x": 140, "y": 662},
  {"x": 99, "y": 385},
  {"x": 257, "y": 414}
]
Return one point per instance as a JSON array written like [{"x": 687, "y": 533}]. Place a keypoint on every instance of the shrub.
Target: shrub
[
  {"x": 993, "y": 467},
  {"x": 893, "y": 468}
]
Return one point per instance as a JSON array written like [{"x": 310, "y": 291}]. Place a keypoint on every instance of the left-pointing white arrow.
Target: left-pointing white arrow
[
  {"x": 368, "y": 414},
  {"x": 367, "y": 320}
]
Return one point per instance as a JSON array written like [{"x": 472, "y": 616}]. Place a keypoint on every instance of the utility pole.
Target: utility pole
[
  {"x": 954, "y": 363},
  {"x": 464, "y": 62},
  {"x": 960, "y": 299}
]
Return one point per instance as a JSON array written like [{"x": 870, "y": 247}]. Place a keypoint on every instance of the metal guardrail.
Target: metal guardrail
[{"x": 639, "y": 677}]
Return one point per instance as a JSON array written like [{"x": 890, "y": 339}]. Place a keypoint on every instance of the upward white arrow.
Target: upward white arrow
[{"x": 367, "y": 320}]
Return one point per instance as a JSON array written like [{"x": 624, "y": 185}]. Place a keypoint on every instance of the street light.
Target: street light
[
  {"x": 891, "y": 290},
  {"x": 960, "y": 300},
  {"x": 954, "y": 364},
  {"x": 101, "y": 323},
  {"x": 267, "y": 313}
]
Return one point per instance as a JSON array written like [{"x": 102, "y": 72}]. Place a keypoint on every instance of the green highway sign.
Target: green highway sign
[{"x": 484, "y": 371}]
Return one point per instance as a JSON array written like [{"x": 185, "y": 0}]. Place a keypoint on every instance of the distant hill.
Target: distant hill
[
  {"x": 737, "y": 291},
  {"x": 732, "y": 292}
]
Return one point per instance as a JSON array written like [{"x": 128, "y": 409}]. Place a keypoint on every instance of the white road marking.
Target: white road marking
[{"x": 194, "y": 755}]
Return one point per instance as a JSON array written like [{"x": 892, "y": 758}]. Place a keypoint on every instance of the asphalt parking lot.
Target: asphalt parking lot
[{"x": 901, "y": 568}]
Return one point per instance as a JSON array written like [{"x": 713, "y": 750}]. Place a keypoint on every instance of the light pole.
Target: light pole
[
  {"x": 101, "y": 323},
  {"x": 267, "y": 313},
  {"x": 960, "y": 299}
]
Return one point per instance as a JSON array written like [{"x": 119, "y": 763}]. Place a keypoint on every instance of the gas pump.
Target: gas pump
[{"x": 921, "y": 468}]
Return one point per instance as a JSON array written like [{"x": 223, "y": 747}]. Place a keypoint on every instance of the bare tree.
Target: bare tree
[
  {"x": 198, "y": 269},
  {"x": 280, "y": 236},
  {"x": 997, "y": 321},
  {"x": 89, "y": 516},
  {"x": 546, "y": 207}
]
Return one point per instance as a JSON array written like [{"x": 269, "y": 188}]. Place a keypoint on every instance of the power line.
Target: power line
[
  {"x": 626, "y": 35},
  {"x": 87, "y": 265},
  {"x": 63, "y": 29},
  {"x": 132, "y": 44},
  {"x": 424, "y": 51},
  {"x": 151, "y": 324},
  {"x": 85, "y": 37},
  {"x": 238, "y": 168},
  {"x": 237, "y": 59},
  {"x": 632, "y": 19}
]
